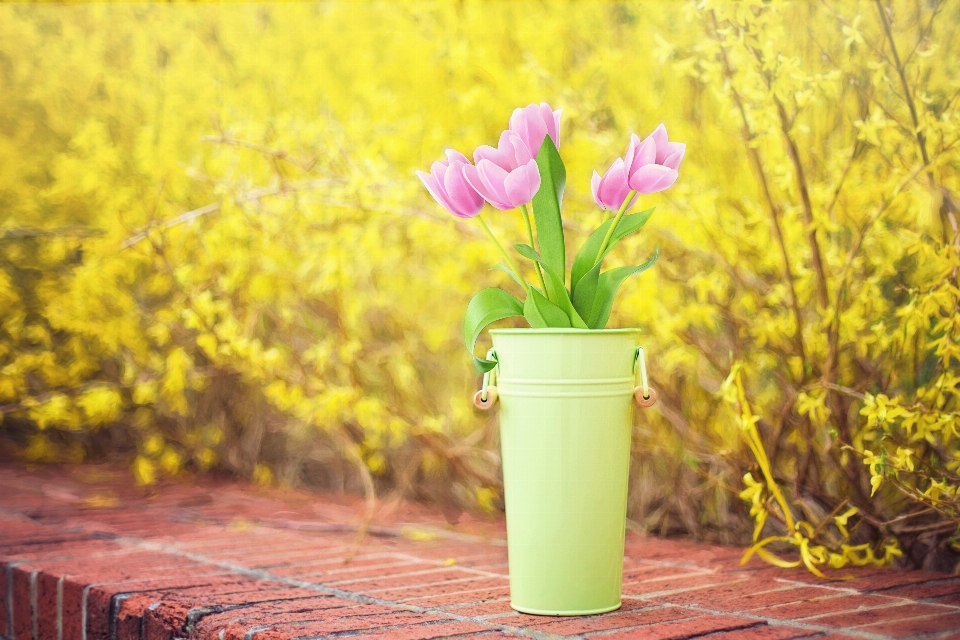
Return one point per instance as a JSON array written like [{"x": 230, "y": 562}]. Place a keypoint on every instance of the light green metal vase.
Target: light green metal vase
[{"x": 565, "y": 423}]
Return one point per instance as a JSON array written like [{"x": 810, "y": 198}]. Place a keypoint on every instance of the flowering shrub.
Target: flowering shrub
[
  {"x": 509, "y": 177},
  {"x": 212, "y": 255}
]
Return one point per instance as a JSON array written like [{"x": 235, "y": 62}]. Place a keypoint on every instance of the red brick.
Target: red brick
[
  {"x": 687, "y": 628},
  {"x": 23, "y": 578},
  {"x": 346, "y": 577},
  {"x": 952, "y": 600},
  {"x": 462, "y": 597},
  {"x": 673, "y": 588},
  {"x": 646, "y": 571},
  {"x": 338, "y": 625},
  {"x": 98, "y": 612},
  {"x": 925, "y": 625},
  {"x": 653, "y": 616},
  {"x": 47, "y": 606},
  {"x": 465, "y": 585},
  {"x": 270, "y": 613},
  {"x": 41, "y": 537},
  {"x": 933, "y": 589},
  {"x": 770, "y": 633},
  {"x": 792, "y": 594},
  {"x": 128, "y": 620},
  {"x": 486, "y": 609},
  {"x": 442, "y": 552},
  {"x": 710, "y": 594},
  {"x": 72, "y": 610},
  {"x": 164, "y": 622},
  {"x": 825, "y": 605},
  {"x": 427, "y": 631},
  {"x": 881, "y": 579},
  {"x": 432, "y": 575},
  {"x": 53, "y": 551},
  {"x": 681, "y": 552},
  {"x": 679, "y": 583},
  {"x": 107, "y": 564},
  {"x": 100, "y": 597},
  {"x": 858, "y": 618},
  {"x": 320, "y": 566},
  {"x": 5, "y": 629}
]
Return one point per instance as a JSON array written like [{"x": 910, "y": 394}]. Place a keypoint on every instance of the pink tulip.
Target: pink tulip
[
  {"x": 507, "y": 176},
  {"x": 652, "y": 165},
  {"x": 611, "y": 190},
  {"x": 503, "y": 189},
  {"x": 533, "y": 123},
  {"x": 511, "y": 152},
  {"x": 447, "y": 185}
]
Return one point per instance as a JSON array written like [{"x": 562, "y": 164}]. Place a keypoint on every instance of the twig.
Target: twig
[
  {"x": 774, "y": 210},
  {"x": 256, "y": 194},
  {"x": 32, "y": 232},
  {"x": 278, "y": 154}
]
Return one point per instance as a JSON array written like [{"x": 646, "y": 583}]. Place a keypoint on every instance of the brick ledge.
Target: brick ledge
[{"x": 214, "y": 560}]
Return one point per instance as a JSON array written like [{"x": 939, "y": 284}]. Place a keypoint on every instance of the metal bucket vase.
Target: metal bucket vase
[{"x": 566, "y": 406}]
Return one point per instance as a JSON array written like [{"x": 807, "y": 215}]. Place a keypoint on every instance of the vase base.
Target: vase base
[{"x": 547, "y": 612}]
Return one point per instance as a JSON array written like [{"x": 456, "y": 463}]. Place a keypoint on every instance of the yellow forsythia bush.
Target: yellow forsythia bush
[{"x": 214, "y": 252}]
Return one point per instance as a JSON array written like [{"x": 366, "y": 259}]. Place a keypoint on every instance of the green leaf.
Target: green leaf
[
  {"x": 586, "y": 291},
  {"x": 527, "y": 252},
  {"x": 489, "y": 305},
  {"x": 607, "y": 287},
  {"x": 542, "y": 313},
  {"x": 587, "y": 256},
  {"x": 557, "y": 292},
  {"x": 506, "y": 270},
  {"x": 546, "y": 206}
]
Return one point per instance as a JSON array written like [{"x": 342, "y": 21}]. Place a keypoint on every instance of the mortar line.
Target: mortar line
[
  {"x": 439, "y": 563},
  {"x": 346, "y": 595}
]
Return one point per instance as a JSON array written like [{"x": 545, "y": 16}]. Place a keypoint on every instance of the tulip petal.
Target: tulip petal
[
  {"x": 487, "y": 179},
  {"x": 551, "y": 122},
  {"x": 493, "y": 178},
  {"x": 631, "y": 152},
  {"x": 472, "y": 176},
  {"x": 522, "y": 183},
  {"x": 455, "y": 156},
  {"x": 527, "y": 123},
  {"x": 674, "y": 154},
  {"x": 645, "y": 153},
  {"x": 652, "y": 178},
  {"x": 514, "y": 145},
  {"x": 465, "y": 200},
  {"x": 594, "y": 189},
  {"x": 556, "y": 127},
  {"x": 659, "y": 136},
  {"x": 613, "y": 186},
  {"x": 431, "y": 184},
  {"x": 494, "y": 155}
]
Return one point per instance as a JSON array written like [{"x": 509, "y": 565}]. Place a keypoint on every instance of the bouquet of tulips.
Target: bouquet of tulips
[{"x": 525, "y": 170}]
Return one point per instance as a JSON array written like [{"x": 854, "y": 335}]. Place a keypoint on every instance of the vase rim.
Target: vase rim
[{"x": 556, "y": 330}]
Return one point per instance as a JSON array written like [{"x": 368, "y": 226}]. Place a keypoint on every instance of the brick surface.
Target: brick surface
[
  {"x": 207, "y": 559},
  {"x": 688, "y": 628}
]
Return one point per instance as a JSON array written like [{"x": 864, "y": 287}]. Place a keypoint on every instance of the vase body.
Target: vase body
[{"x": 565, "y": 425}]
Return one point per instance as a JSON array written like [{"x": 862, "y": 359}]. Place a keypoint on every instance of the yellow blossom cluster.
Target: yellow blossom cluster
[{"x": 214, "y": 251}]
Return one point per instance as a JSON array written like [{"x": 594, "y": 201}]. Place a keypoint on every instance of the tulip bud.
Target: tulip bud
[
  {"x": 652, "y": 165},
  {"x": 447, "y": 185},
  {"x": 533, "y": 123}
]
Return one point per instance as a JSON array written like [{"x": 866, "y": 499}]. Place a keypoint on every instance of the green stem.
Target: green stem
[
  {"x": 526, "y": 219},
  {"x": 613, "y": 225},
  {"x": 506, "y": 256}
]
